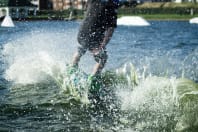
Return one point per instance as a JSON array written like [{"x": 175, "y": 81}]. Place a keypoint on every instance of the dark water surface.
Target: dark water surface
[{"x": 33, "y": 52}]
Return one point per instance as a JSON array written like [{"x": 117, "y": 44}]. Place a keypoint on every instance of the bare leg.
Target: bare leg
[
  {"x": 97, "y": 68},
  {"x": 76, "y": 59},
  {"x": 100, "y": 58}
]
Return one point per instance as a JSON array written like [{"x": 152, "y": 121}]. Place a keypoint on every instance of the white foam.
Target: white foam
[
  {"x": 148, "y": 104},
  {"x": 194, "y": 20},
  {"x": 153, "y": 94},
  {"x": 31, "y": 57},
  {"x": 7, "y": 22},
  {"x": 132, "y": 21},
  {"x": 32, "y": 69}
]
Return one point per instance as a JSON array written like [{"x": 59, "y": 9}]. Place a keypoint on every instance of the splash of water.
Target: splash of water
[
  {"x": 148, "y": 102},
  {"x": 159, "y": 103},
  {"x": 32, "y": 69},
  {"x": 29, "y": 61}
]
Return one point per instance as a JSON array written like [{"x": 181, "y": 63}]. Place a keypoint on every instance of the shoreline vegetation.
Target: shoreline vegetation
[
  {"x": 149, "y": 11},
  {"x": 163, "y": 11}
]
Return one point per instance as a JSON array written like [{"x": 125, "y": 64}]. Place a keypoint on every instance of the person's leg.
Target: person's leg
[
  {"x": 101, "y": 59},
  {"x": 76, "y": 58}
]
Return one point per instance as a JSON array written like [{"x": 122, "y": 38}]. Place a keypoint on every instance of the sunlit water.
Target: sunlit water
[{"x": 162, "y": 54}]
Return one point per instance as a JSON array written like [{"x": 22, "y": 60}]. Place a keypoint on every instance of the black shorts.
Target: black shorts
[{"x": 90, "y": 42}]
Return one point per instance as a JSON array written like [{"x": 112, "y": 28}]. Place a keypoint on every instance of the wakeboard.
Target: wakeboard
[{"x": 76, "y": 83}]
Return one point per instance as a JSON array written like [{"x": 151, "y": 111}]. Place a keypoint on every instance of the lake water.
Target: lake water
[{"x": 162, "y": 54}]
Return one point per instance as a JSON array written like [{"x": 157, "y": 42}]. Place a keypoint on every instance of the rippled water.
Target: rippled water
[{"x": 164, "y": 57}]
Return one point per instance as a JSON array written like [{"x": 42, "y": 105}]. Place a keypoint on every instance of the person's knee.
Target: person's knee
[
  {"x": 81, "y": 50},
  {"x": 101, "y": 57}
]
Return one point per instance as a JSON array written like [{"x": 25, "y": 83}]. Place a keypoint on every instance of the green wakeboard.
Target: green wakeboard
[{"x": 76, "y": 84}]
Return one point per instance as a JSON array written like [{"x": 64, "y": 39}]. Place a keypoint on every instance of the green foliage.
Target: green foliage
[
  {"x": 160, "y": 8},
  {"x": 50, "y": 14},
  {"x": 13, "y": 3},
  {"x": 3, "y": 3},
  {"x": 152, "y": 10},
  {"x": 138, "y": 11}
]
